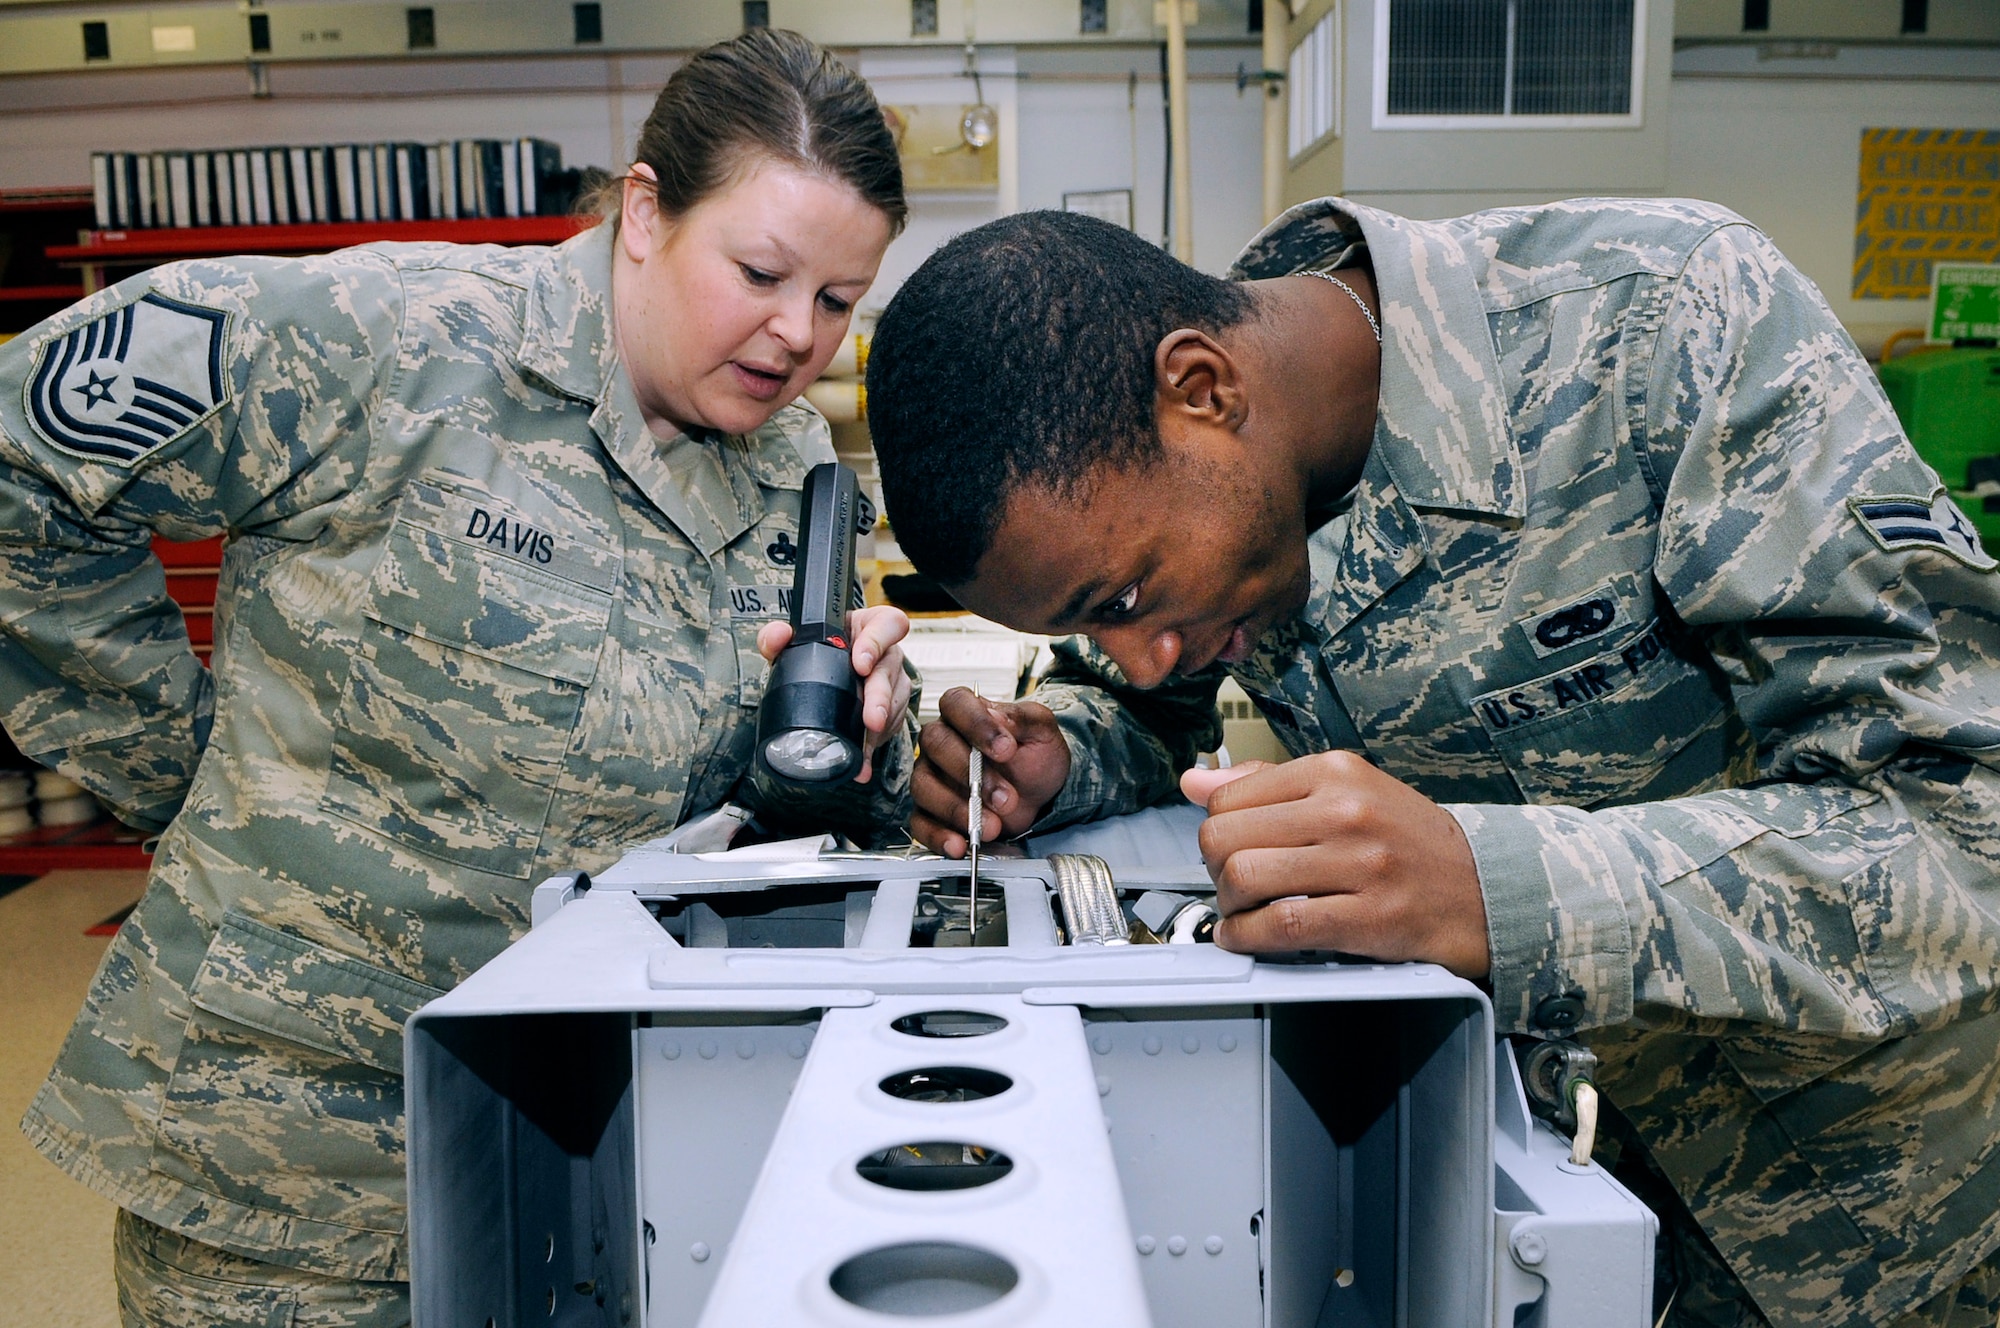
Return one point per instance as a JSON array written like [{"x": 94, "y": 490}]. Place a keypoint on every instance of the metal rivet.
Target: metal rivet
[
  {"x": 1104, "y": 1085},
  {"x": 746, "y": 1049},
  {"x": 707, "y": 1050},
  {"x": 698, "y": 1251},
  {"x": 1101, "y": 1044},
  {"x": 1530, "y": 1248},
  {"x": 1176, "y": 1245},
  {"x": 798, "y": 1050},
  {"x": 1152, "y": 1045},
  {"x": 1146, "y": 1244},
  {"x": 1344, "y": 1278},
  {"x": 671, "y": 1050},
  {"x": 1213, "y": 1244},
  {"x": 1190, "y": 1044},
  {"x": 1227, "y": 1042}
]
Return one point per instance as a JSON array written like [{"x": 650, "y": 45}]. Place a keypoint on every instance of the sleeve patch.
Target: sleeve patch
[
  {"x": 129, "y": 382},
  {"x": 1904, "y": 521}
]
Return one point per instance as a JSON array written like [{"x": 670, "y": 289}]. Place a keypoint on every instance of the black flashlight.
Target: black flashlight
[{"x": 809, "y": 723}]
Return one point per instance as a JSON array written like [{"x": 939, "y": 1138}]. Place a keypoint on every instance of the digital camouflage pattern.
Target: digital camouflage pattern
[
  {"x": 1643, "y": 581},
  {"x": 476, "y": 625},
  {"x": 169, "y": 1281}
]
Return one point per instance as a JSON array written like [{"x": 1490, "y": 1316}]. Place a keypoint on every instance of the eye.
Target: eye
[
  {"x": 833, "y": 304},
  {"x": 757, "y": 276},
  {"x": 1122, "y": 607}
]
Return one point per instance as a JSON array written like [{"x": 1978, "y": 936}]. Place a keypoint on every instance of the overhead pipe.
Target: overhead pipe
[
  {"x": 1177, "y": 117},
  {"x": 1277, "y": 59}
]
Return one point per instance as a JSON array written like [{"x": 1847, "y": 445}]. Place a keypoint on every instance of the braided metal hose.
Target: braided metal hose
[{"x": 1091, "y": 914}]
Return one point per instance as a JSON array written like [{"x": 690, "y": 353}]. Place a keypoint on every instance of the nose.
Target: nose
[
  {"x": 1146, "y": 656},
  {"x": 792, "y": 325}
]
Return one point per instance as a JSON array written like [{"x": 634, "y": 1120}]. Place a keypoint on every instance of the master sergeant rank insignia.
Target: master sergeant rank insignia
[{"x": 127, "y": 383}]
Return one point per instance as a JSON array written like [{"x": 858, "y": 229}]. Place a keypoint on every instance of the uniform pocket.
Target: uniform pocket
[
  {"x": 466, "y": 685},
  {"x": 287, "y": 1095},
  {"x": 1607, "y": 730}
]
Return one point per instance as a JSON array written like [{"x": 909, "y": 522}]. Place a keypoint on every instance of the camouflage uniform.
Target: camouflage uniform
[
  {"x": 476, "y": 625},
  {"x": 1643, "y": 581}
]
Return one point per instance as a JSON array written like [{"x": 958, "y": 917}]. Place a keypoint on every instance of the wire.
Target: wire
[
  {"x": 1166, "y": 161},
  {"x": 1585, "y": 1140}
]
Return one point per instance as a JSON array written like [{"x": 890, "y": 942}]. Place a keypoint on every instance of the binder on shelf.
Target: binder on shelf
[
  {"x": 510, "y": 175},
  {"x": 346, "y": 197},
  {"x": 162, "y": 196},
  {"x": 142, "y": 194},
  {"x": 100, "y": 188},
  {"x": 283, "y": 209},
  {"x": 439, "y": 161},
  {"x": 412, "y": 186},
  {"x": 300, "y": 182},
  {"x": 204, "y": 188},
  {"x": 225, "y": 190},
  {"x": 364, "y": 183},
  {"x": 319, "y": 169},
  {"x": 541, "y": 163},
  {"x": 180, "y": 191},
  {"x": 385, "y": 183},
  {"x": 117, "y": 182},
  {"x": 241, "y": 177},
  {"x": 467, "y": 154}
]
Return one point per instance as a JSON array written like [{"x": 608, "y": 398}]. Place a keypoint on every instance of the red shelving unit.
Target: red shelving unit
[
  {"x": 31, "y": 220},
  {"x": 101, "y": 249},
  {"x": 98, "y": 846},
  {"x": 58, "y": 292}
]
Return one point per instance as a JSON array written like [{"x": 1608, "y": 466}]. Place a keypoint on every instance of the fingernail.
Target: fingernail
[
  {"x": 1003, "y": 747},
  {"x": 1001, "y": 797},
  {"x": 862, "y": 659}
]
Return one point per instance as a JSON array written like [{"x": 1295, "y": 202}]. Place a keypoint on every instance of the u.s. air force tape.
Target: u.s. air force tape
[{"x": 127, "y": 383}]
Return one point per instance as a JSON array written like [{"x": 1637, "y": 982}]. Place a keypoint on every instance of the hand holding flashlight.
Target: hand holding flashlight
[{"x": 837, "y": 687}]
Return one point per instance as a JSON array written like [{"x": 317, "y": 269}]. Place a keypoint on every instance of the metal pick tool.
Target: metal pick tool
[{"x": 975, "y": 816}]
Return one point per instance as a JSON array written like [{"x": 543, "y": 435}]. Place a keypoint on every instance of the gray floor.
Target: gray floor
[{"x": 55, "y": 1236}]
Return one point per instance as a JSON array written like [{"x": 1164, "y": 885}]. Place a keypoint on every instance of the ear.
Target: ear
[
  {"x": 640, "y": 220},
  {"x": 1197, "y": 379}
]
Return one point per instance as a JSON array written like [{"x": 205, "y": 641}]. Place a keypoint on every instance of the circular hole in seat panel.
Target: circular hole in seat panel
[
  {"x": 934, "y": 1165},
  {"x": 924, "y": 1279},
  {"x": 946, "y": 1083},
  {"x": 949, "y": 1024}
]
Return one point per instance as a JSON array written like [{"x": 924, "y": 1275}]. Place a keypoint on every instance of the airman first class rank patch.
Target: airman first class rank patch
[
  {"x": 127, "y": 383},
  {"x": 1905, "y": 521}
]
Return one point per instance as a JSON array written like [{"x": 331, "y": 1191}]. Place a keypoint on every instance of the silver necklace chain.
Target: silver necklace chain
[{"x": 1366, "y": 313}]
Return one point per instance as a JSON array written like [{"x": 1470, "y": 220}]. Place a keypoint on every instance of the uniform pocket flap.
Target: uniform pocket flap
[
  {"x": 474, "y": 573},
  {"x": 293, "y": 989}
]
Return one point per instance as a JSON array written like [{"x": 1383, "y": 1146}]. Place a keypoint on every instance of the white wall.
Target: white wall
[
  {"x": 591, "y": 105},
  {"x": 1446, "y": 172},
  {"x": 1786, "y": 154},
  {"x": 1069, "y": 130},
  {"x": 1085, "y": 123}
]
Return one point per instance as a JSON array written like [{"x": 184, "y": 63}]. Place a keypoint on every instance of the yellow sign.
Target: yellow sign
[{"x": 1926, "y": 195}]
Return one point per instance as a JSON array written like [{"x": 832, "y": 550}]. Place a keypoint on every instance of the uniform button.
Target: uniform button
[{"x": 1560, "y": 1014}]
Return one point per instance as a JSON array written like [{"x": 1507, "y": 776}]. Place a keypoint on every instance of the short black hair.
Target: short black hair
[{"x": 1022, "y": 351}]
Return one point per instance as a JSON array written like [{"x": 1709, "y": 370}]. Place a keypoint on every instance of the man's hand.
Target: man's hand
[
  {"x": 1329, "y": 853},
  {"x": 1026, "y": 760},
  {"x": 878, "y": 631}
]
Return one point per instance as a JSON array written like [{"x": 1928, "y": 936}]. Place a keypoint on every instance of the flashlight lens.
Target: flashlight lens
[{"x": 809, "y": 754}]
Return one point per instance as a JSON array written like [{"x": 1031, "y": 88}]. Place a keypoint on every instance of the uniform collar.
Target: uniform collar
[
  {"x": 699, "y": 483},
  {"x": 1441, "y": 427},
  {"x": 1442, "y": 439}
]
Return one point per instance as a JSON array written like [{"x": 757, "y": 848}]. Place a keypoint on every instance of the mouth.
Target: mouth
[
  {"x": 1235, "y": 648},
  {"x": 758, "y": 382},
  {"x": 1241, "y": 642}
]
